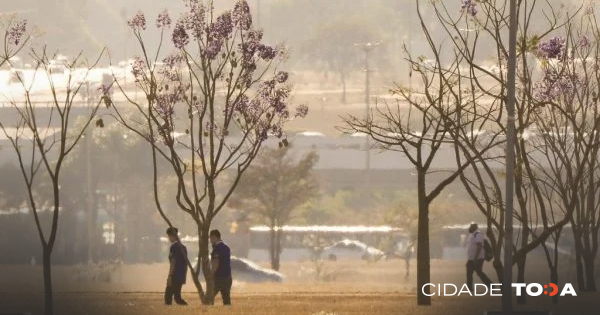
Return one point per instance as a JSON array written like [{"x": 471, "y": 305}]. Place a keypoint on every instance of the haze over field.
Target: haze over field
[{"x": 343, "y": 148}]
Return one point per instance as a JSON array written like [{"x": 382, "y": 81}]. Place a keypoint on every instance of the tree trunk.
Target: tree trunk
[
  {"x": 578, "y": 262},
  {"x": 521, "y": 279},
  {"x": 279, "y": 246},
  {"x": 554, "y": 279},
  {"x": 590, "y": 276},
  {"x": 273, "y": 248},
  {"x": 199, "y": 269},
  {"x": 497, "y": 263},
  {"x": 47, "y": 269},
  {"x": 204, "y": 256},
  {"x": 423, "y": 255}
]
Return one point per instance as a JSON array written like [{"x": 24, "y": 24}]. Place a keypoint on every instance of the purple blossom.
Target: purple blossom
[
  {"x": 247, "y": 77},
  {"x": 137, "y": 68},
  {"x": 195, "y": 18},
  {"x": 251, "y": 110},
  {"x": 254, "y": 108},
  {"x": 213, "y": 48},
  {"x": 301, "y": 111},
  {"x": 180, "y": 37},
  {"x": 253, "y": 36},
  {"x": 171, "y": 74},
  {"x": 172, "y": 67},
  {"x": 265, "y": 88},
  {"x": 553, "y": 48},
  {"x": 173, "y": 60},
  {"x": 247, "y": 49},
  {"x": 469, "y": 6},
  {"x": 241, "y": 15},
  {"x": 138, "y": 21},
  {"x": 222, "y": 27},
  {"x": 165, "y": 105},
  {"x": 16, "y": 32},
  {"x": 281, "y": 77},
  {"x": 166, "y": 99},
  {"x": 241, "y": 104},
  {"x": 163, "y": 20},
  {"x": 267, "y": 53},
  {"x": 250, "y": 45},
  {"x": 276, "y": 101},
  {"x": 555, "y": 85}
]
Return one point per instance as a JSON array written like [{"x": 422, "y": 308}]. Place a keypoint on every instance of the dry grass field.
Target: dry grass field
[
  {"x": 304, "y": 303},
  {"x": 347, "y": 288}
]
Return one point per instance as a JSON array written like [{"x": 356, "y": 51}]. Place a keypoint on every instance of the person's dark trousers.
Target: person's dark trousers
[
  {"x": 476, "y": 266},
  {"x": 223, "y": 285},
  {"x": 174, "y": 291}
]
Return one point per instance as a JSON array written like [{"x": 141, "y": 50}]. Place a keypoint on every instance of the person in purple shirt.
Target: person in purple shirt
[
  {"x": 221, "y": 266},
  {"x": 177, "y": 269}
]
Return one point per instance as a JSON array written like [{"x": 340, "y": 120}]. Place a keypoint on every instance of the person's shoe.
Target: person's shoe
[{"x": 182, "y": 303}]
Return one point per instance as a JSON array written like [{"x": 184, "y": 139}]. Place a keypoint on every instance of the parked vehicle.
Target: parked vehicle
[
  {"x": 247, "y": 271},
  {"x": 351, "y": 249}
]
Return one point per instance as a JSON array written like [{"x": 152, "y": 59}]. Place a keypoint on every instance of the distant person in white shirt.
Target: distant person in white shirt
[{"x": 476, "y": 256}]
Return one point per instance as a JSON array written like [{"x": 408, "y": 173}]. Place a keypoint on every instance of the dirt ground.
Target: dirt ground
[{"x": 344, "y": 288}]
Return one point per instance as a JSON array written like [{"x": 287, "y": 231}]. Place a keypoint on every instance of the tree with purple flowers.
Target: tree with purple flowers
[
  {"x": 15, "y": 38},
  {"x": 209, "y": 106}
]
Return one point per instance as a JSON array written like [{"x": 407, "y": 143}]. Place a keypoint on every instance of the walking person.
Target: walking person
[
  {"x": 476, "y": 256},
  {"x": 221, "y": 266},
  {"x": 177, "y": 269}
]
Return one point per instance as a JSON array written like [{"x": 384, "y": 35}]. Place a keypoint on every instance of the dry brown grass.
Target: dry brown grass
[
  {"x": 357, "y": 288},
  {"x": 288, "y": 303}
]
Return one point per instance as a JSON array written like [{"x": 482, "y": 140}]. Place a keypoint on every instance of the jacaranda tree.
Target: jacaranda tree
[{"x": 209, "y": 106}]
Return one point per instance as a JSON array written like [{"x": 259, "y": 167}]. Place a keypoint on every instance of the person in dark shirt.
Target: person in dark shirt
[
  {"x": 177, "y": 269},
  {"x": 221, "y": 266}
]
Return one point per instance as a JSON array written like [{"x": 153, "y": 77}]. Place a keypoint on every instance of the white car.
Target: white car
[
  {"x": 247, "y": 271},
  {"x": 350, "y": 249}
]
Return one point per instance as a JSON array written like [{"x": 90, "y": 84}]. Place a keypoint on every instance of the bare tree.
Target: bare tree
[
  {"x": 207, "y": 110},
  {"x": 461, "y": 101},
  {"x": 479, "y": 126},
  {"x": 42, "y": 136},
  {"x": 415, "y": 128},
  {"x": 569, "y": 89},
  {"x": 274, "y": 187}
]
